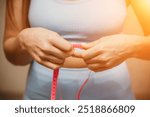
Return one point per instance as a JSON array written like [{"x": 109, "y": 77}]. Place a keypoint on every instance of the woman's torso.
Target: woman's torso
[
  {"x": 83, "y": 21},
  {"x": 78, "y": 20}
]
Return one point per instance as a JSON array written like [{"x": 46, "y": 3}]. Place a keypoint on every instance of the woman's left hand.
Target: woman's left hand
[{"x": 107, "y": 52}]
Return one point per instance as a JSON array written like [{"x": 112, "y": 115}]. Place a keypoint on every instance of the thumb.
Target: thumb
[
  {"x": 86, "y": 46},
  {"x": 77, "y": 53},
  {"x": 70, "y": 53}
]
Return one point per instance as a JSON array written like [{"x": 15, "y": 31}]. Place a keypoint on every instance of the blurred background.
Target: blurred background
[{"x": 13, "y": 78}]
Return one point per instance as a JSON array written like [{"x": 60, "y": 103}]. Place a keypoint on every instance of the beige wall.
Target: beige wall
[{"x": 13, "y": 78}]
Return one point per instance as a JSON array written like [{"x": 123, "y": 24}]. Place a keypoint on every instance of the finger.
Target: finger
[
  {"x": 91, "y": 53},
  {"x": 89, "y": 45},
  {"x": 55, "y": 60},
  {"x": 60, "y": 54},
  {"x": 35, "y": 57},
  {"x": 69, "y": 53},
  {"x": 51, "y": 50},
  {"x": 98, "y": 59},
  {"x": 95, "y": 66},
  {"x": 44, "y": 62},
  {"x": 100, "y": 67},
  {"x": 50, "y": 65},
  {"x": 50, "y": 58},
  {"x": 106, "y": 66},
  {"x": 77, "y": 53},
  {"x": 93, "y": 60},
  {"x": 61, "y": 43}
]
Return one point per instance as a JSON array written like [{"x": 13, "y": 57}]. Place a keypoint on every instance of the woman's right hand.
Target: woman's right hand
[{"x": 45, "y": 46}]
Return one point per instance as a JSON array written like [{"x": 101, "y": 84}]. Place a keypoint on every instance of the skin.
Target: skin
[
  {"x": 45, "y": 47},
  {"x": 102, "y": 54}
]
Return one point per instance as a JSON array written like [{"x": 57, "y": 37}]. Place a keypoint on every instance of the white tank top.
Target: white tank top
[{"x": 79, "y": 20}]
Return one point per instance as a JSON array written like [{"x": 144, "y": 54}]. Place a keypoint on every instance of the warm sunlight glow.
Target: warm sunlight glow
[{"x": 142, "y": 9}]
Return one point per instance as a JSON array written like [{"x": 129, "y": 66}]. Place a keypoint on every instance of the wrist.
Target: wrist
[
  {"x": 21, "y": 50},
  {"x": 137, "y": 46},
  {"x": 20, "y": 40}
]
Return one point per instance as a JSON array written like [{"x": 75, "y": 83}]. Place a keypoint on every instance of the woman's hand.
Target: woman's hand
[
  {"x": 108, "y": 52},
  {"x": 46, "y": 47}
]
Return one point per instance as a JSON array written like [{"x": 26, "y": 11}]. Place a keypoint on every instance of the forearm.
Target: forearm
[
  {"x": 142, "y": 8},
  {"x": 14, "y": 53},
  {"x": 142, "y": 47}
]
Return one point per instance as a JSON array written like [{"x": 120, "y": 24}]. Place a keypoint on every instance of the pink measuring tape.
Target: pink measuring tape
[{"x": 55, "y": 78}]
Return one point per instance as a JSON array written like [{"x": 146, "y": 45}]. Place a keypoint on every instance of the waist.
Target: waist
[
  {"x": 72, "y": 62},
  {"x": 44, "y": 70}
]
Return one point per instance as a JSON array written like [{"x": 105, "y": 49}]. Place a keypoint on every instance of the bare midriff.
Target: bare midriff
[{"x": 73, "y": 62}]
